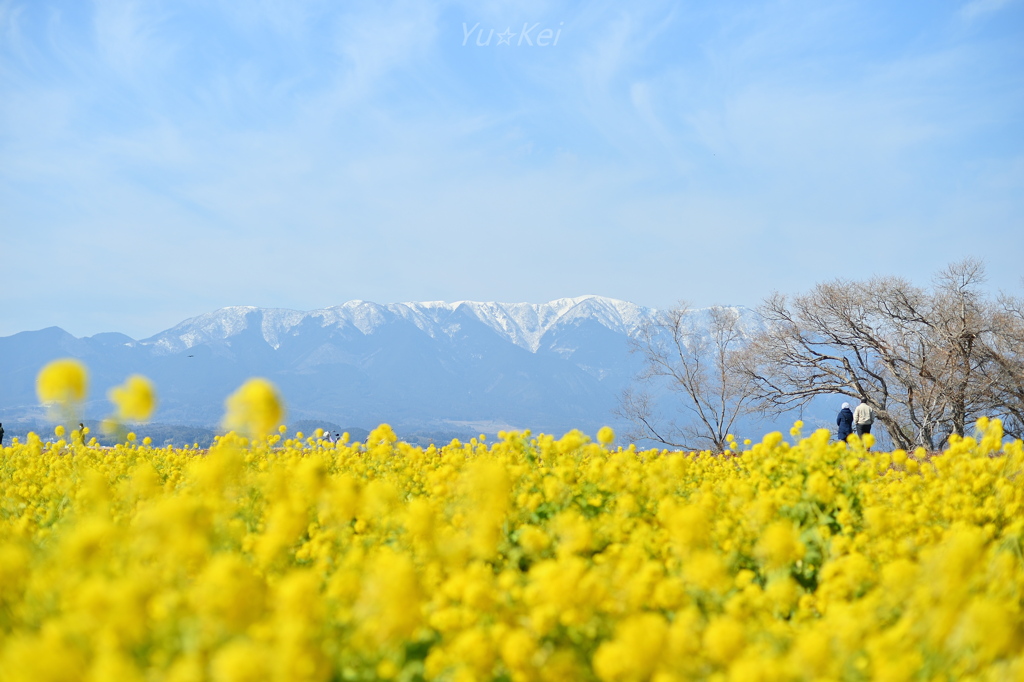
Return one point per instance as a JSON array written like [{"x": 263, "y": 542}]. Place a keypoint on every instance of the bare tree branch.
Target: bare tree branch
[
  {"x": 699, "y": 363},
  {"x": 929, "y": 361}
]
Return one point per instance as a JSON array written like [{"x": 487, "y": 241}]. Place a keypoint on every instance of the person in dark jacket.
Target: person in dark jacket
[
  {"x": 1, "y": 434},
  {"x": 845, "y": 422}
]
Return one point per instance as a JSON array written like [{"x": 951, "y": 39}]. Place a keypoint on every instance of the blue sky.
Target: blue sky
[{"x": 159, "y": 160}]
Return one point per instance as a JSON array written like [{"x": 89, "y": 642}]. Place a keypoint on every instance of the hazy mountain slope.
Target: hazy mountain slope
[{"x": 551, "y": 366}]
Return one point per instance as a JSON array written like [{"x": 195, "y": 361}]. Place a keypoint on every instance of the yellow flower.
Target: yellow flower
[
  {"x": 240, "y": 661},
  {"x": 782, "y": 594},
  {"x": 46, "y": 655},
  {"x": 724, "y": 638},
  {"x": 255, "y": 408},
  {"x": 472, "y": 649},
  {"x": 135, "y": 399},
  {"x": 811, "y": 653},
  {"x": 62, "y": 382},
  {"x": 389, "y": 605},
  {"x": 533, "y": 539},
  {"x": 635, "y": 651},
  {"x": 112, "y": 664},
  {"x": 532, "y": 559},
  {"x": 989, "y": 628},
  {"x": 819, "y": 487},
  {"x": 518, "y": 648},
  {"x": 605, "y": 435},
  {"x": 780, "y": 545},
  {"x": 706, "y": 570},
  {"x": 387, "y": 669},
  {"x": 227, "y": 593}
]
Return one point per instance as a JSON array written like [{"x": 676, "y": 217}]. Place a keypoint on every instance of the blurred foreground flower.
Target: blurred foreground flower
[
  {"x": 135, "y": 399},
  {"x": 62, "y": 384},
  {"x": 62, "y": 381},
  {"x": 255, "y": 408}
]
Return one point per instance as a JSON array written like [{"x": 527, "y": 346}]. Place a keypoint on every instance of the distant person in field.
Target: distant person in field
[
  {"x": 1, "y": 434},
  {"x": 863, "y": 417},
  {"x": 328, "y": 437},
  {"x": 845, "y": 422}
]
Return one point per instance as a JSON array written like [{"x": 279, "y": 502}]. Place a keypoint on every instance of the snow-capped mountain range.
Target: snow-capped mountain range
[
  {"x": 470, "y": 366},
  {"x": 523, "y": 324}
]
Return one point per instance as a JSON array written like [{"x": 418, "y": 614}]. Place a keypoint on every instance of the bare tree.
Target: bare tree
[
  {"x": 922, "y": 358},
  {"x": 697, "y": 361},
  {"x": 830, "y": 341},
  {"x": 963, "y": 324},
  {"x": 1006, "y": 369}
]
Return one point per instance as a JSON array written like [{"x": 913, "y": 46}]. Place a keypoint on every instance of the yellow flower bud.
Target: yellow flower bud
[
  {"x": 63, "y": 382},
  {"x": 135, "y": 399},
  {"x": 255, "y": 408}
]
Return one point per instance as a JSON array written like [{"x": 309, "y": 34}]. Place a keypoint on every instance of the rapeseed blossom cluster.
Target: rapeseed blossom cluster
[
  {"x": 135, "y": 400},
  {"x": 530, "y": 558},
  {"x": 62, "y": 386},
  {"x": 254, "y": 409}
]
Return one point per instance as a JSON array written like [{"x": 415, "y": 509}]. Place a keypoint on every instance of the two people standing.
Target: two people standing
[{"x": 859, "y": 420}]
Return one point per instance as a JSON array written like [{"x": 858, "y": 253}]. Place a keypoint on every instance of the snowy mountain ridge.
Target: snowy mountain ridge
[
  {"x": 523, "y": 324},
  {"x": 421, "y": 366}
]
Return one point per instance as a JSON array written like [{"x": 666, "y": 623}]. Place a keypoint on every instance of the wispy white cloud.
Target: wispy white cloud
[
  {"x": 384, "y": 37},
  {"x": 128, "y": 34},
  {"x": 975, "y": 9},
  {"x": 293, "y": 20},
  {"x": 358, "y": 151},
  {"x": 12, "y": 17}
]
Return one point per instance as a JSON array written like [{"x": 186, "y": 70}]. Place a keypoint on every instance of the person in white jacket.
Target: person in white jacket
[{"x": 863, "y": 417}]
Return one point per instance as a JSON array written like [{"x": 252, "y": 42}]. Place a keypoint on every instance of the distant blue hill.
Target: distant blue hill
[{"x": 425, "y": 368}]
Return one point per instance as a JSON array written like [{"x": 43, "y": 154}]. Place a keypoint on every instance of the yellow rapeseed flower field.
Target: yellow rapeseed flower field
[{"x": 529, "y": 558}]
